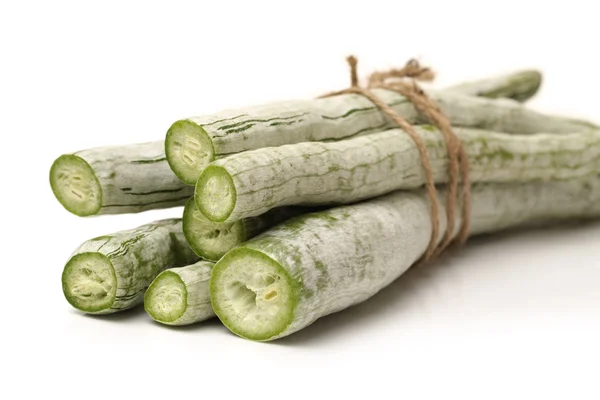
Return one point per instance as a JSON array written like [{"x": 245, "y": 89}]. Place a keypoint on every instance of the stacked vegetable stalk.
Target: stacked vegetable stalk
[{"x": 299, "y": 209}]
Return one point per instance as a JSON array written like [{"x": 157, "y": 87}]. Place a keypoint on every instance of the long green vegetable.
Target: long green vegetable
[
  {"x": 250, "y": 183},
  {"x": 211, "y": 240},
  {"x": 116, "y": 180},
  {"x": 520, "y": 86},
  {"x": 193, "y": 143},
  {"x": 111, "y": 273},
  {"x": 316, "y": 264},
  {"x": 180, "y": 296}
]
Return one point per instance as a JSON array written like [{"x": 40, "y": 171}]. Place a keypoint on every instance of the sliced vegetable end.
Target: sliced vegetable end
[
  {"x": 210, "y": 240},
  {"x": 252, "y": 294},
  {"x": 75, "y": 185},
  {"x": 89, "y": 283},
  {"x": 215, "y": 194},
  {"x": 166, "y": 298},
  {"x": 189, "y": 150}
]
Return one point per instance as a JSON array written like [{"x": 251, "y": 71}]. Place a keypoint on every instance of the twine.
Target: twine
[{"x": 404, "y": 82}]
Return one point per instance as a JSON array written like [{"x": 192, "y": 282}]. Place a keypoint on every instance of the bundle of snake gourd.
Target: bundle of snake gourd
[
  {"x": 526, "y": 168},
  {"x": 251, "y": 170}
]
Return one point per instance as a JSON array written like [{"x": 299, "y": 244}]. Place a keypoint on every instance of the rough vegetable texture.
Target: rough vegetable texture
[
  {"x": 111, "y": 273},
  {"x": 316, "y": 264},
  {"x": 193, "y": 143},
  {"x": 211, "y": 240},
  {"x": 520, "y": 86},
  {"x": 250, "y": 183},
  {"x": 180, "y": 296},
  {"x": 116, "y": 180}
]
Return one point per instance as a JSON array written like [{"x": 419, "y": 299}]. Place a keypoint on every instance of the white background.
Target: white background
[{"x": 514, "y": 315}]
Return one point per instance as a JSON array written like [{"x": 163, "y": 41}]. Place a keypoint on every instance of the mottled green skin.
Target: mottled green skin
[
  {"x": 350, "y": 115},
  {"x": 131, "y": 178},
  {"x": 196, "y": 296},
  {"x": 253, "y": 295},
  {"x": 343, "y": 256},
  {"x": 520, "y": 86},
  {"x": 138, "y": 256},
  {"x": 347, "y": 171}
]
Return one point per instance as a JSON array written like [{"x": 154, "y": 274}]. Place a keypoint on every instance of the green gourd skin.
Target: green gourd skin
[
  {"x": 520, "y": 86},
  {"x": 111, "y": 273},
  {"x": 117, "y": 180}
]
